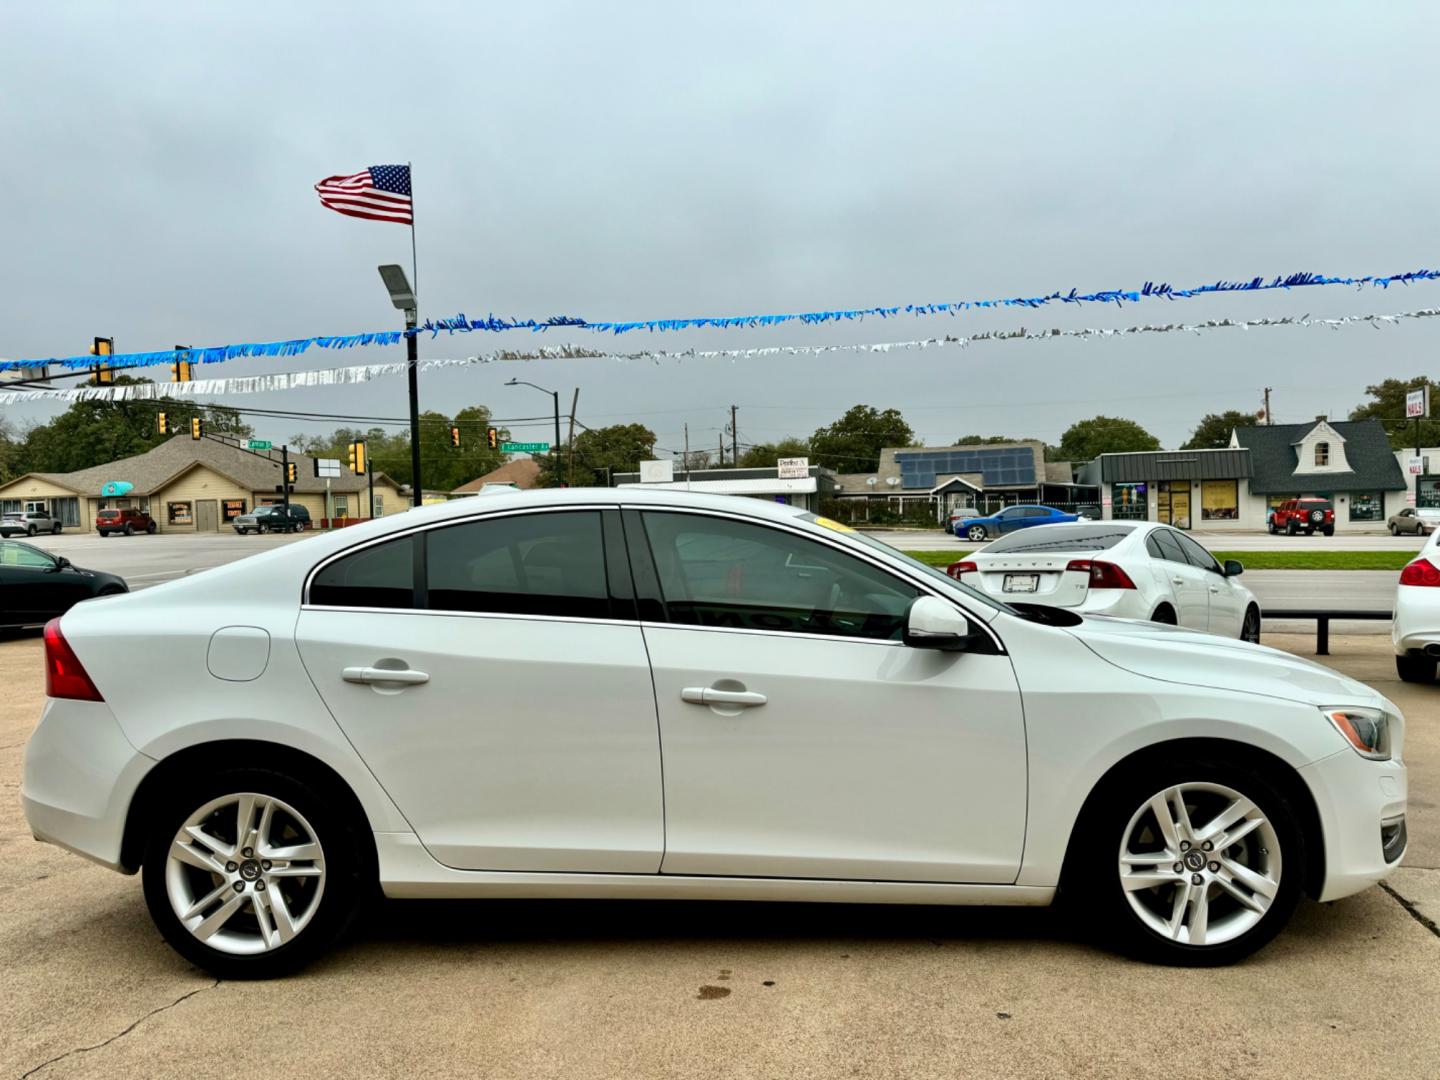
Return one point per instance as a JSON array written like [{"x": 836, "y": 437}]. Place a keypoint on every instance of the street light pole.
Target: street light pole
[
  {"x": 555, "y": 396},
  {"x": 403, "y": 297}
]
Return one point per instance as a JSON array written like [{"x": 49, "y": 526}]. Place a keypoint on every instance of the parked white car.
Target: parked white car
[
  {"x": 601, "y": 693},
  {"x": 1415, "y": 630},
  {"x": 1133, "y": 569}
]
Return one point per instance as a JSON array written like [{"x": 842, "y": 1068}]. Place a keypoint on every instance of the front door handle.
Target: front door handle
[
  {"x": 1214, "y": 588},
  {"x": 1178, "y": 580},
  {"x": 708, "y": 695},
  {"x": 384, "y": 675}
]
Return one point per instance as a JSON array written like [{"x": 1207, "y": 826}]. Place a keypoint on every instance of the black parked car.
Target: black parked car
[
  {"x": 273, "y": 518},
  {"x": 36, "y": 586}
]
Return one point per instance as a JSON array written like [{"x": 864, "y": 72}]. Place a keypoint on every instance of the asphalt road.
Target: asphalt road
[{"x": 581, "y": 990}]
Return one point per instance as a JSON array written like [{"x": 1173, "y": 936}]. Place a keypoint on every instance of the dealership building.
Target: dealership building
[
  {"x": 1349, "y": 462},
  {"x": 195, "y": 486}
]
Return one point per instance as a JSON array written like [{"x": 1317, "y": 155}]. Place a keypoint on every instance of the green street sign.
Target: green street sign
[
  {"x": 525, "y": 447},
  {"x": 257, "y": 444}
]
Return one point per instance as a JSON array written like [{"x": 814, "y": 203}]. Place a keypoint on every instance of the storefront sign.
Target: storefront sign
[
  {"x": 1416, "y": 465},
  {"x": 112, "y": 488},
  {"x": 792, "y": 468},
  {"x": 1417, "y": 403}
]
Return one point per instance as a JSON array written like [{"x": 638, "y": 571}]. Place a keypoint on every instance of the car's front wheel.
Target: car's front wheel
[
  {"x": 1250, "y": 626},
  {"x": 250, "y": 873},
  {"x": 1194, "y": 861},
  {"x": 976, "y": 532},
  {"x": 150, "y": 529}
]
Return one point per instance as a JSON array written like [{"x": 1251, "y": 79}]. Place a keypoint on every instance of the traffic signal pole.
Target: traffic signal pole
[{"x": 285, "y": 479}]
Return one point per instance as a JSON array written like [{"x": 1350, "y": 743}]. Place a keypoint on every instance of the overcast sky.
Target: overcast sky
[{"x": 634, "y": 160}]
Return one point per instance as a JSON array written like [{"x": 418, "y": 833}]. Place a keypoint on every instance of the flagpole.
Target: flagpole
[{"x": 417, "y": 494}]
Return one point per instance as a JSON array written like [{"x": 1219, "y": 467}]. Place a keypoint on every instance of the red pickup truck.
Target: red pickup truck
[
  {"x": 1303, "y": 515},
  {"x": 128, "y": 521}
]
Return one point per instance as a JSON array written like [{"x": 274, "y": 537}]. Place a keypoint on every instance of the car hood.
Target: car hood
[{"x": 1191, "y": 658}]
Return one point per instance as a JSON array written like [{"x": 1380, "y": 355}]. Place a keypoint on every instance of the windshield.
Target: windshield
[
  {"x": 1044, "y": 538},
  {"x": 929, "y": 571}
]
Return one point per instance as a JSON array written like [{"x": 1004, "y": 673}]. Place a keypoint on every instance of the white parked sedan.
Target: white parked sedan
[
  {"x": 1133, "y": 569},
  {"x": 602, "y": 693},
  {"x": 1415, "y": 630}
]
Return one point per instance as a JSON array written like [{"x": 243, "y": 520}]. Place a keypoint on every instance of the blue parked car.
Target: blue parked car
[{"x": 1010, "y": 519}]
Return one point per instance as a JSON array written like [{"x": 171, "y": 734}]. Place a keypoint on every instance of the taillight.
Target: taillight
[
  {"x": 955, "y": 569},
  {"x": 1103, "y": 575},
  {"x": 64, "y": 674},
  {"x": 1420, "y": 572}
]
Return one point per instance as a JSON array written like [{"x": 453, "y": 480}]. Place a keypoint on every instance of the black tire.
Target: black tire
[
  {"x": 1165, "y": 615},
  {"x": 1250, "y": 625},
  {"x": 1330, "y": 531},
  {"x": 150, "y": 529},
  {"x": 103, "y": 533},
  {"x": 262, "y": 528},
  {"x": 1394, "y": 529},
  {"x": 129, "y": 529},
  {"x": 1415, "y": 667},
  {"x": 344, "y": 891},
  {"x": 1098, "y": 896},
  {"x": 55, "y": 529},
  {"x": 1290, "y": 528},
  {"x": 1273, "y": 530},
  {"x": 30, "y": 531},
  {"x": 241, "y": 532}
]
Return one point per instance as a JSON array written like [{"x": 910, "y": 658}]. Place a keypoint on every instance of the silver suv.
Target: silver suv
[{"x": 28, "y": 522}]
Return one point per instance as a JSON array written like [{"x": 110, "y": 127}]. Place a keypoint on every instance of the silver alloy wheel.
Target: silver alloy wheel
[
  {"x": 976, "y": 532},
  {"x": 1202, "y": 884},
  {"x": 245, "y": 873}
]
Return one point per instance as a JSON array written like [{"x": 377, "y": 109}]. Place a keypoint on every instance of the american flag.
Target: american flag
[{"x": 380, "y": 193}]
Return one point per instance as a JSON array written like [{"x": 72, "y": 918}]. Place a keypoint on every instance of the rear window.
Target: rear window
[
  {"x": 1315, "y": 504},
  {"x": 109, "y": 513},
  {"x": 1096, "y": 537}
]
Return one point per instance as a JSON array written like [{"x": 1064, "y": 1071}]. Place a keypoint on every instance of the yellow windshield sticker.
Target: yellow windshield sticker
[{"x": 827, "y": 523}]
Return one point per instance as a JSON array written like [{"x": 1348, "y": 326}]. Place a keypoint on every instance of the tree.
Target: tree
[
  {"x": 99, "y": 431},
  {"x": 599, "y": 454},
  {"x": 766, "y": 455},
  {"x": 986, "y": 440},
  {"x": 1388, "y": 406},
  {"x": 443, "y": 466},
  {"x": 853, "y": 443},
  {"x": 1086, "y": 440},
  {"x": 1213, "y": 431}
]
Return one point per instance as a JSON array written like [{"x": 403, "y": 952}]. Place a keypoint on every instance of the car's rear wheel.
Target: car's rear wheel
[
  {"x": 129, "y": 529},
  {"x": 103, "y": 533},
  {"x": 1189, "y": 861},
  {"x": 1329, "y": 530},
  {"x": 1165, "y": 615},
  {"x": 251, "y": 873},
  {"x": 55, "y": 529},
  {"x": 1250, "y": 626},
  {"x": 1415, "y": 667},
  {"x": 976, "y": 532}
]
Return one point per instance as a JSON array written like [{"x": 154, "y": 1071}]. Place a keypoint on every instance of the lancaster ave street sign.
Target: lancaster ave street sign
[
  {"x": 525, "y": 447},
  {"x": 256, "y": 444}
]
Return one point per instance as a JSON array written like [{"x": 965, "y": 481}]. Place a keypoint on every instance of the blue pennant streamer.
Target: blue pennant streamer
[{"x": 495, "y": 323}]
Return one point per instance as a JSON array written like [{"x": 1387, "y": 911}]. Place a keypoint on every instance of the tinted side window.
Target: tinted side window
[
  {"x": 1167, "y": 541},
  {"x": 1196, "y": 554},
  {"x": 723, "y": 573},
  {"x": 1152, "y": 545},
  {"x": 1036, "y": 512},
  {"x": 381, "y": 576},
  {"x": 527, "y": 564}
]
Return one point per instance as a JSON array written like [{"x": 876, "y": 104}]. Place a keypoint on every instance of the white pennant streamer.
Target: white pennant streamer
[{"x": 345, "y": 376}]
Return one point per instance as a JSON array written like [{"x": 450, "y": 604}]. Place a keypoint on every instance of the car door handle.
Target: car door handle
[
  {"x": 384, "y": 675},
  {"x": 1178, "y": 580},
  {"x": 1214, "y": 588},
  {"x": 708, "y": 695}
]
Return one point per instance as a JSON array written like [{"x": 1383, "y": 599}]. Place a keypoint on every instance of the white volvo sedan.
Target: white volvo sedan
[
  {"x": 600, "y": 693},
  {"x": 1415, "y": 630},
  {"x": 1131, "y": 569}
]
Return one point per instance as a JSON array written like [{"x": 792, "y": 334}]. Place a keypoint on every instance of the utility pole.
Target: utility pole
[
  {"x": 1268, "y": 418},
  {"x": 734, "y": 438},
  {"x": 686, "y": 460},
  {"x": 370, "y": 481},
  {"x": 574, "y": 401},
  {"x": 722, "y": 450}
]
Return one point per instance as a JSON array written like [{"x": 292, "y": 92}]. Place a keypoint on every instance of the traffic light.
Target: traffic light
[
  {"x": 182, "y": 370},
  {"x": 162, "y": 423},
  {"x": 291, "y": 471},
  {"x": 103, "y": 346},
  {"x": 492, "y": 436},
  {"x": 454, "y": 436},
  {"x": 357, "y": 457},
  {"x": 197, "y": 428}
]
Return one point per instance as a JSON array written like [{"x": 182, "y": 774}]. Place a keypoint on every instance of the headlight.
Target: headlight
[{"x": 1367, "y": 730}]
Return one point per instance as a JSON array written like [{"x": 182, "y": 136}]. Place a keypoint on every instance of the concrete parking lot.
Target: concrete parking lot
[
  {"x": 649, "y": 989},
  {"x": 935, "y": 540}
]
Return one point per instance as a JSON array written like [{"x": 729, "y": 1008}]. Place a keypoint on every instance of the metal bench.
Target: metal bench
[{"x": 1323, "y": 617}]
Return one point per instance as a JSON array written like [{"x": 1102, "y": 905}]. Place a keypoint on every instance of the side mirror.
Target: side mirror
[
  {"x": 931, "y": 623},
  {"x": 1234, "y": 568},
  {"x": 61, "y": 562}
]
